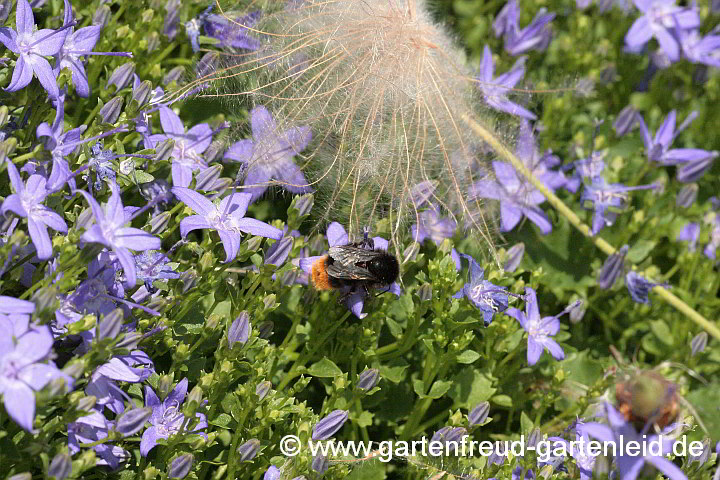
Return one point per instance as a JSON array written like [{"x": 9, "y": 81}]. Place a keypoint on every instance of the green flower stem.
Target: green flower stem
[
  {"x": 292, "y": 373},
  {"x": 565, "y": 211}
]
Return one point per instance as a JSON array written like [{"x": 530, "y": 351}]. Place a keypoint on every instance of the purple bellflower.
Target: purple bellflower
[
  {"x": 535, "y": 36},
  {"x": 110, "y": 230},
  {"x": 77, "y": 45},
  {"x": 639, "y": 287},
  {"x": 167, "y": 418},
  {"x": 507, "y": 19},
  {"x": 227, "y": 218},
  {"x": 354, "y": 299},
  {"x": 21, "y": 370},
  {"x": 486, "y": 296},
  {"x": 268, "y": 156},
  {"x": 90, "y": 429},
  {"x": 605, "y": 198},
  {"x": 539, "y": 329},
  {"x": 27, "y": 202},
  {"x": 32, "y": 47},
  {"x": 494, "y": 90},
  {"x": 620, "y": 432},
  {"x": 658, "y": 148},
  {"x": 658, "y": 19},
  {"x": 689, "y": 233},
  {"x": 232, "y": 32},
  {"x": 189, "y": 146},
  {"x": 698, "y": 49},
  {"x": 710, "y": 249},
  {"x": 517, "y": 198}
]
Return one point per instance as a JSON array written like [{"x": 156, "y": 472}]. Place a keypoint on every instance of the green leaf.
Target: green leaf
[
  {"x": 662, "y": 331},
  {"x": 468, "y": 356},
  {"x": 470, "y": 387},
  {"x": 640, "y": 250},
  {"x": 142, "y": 177},
  {"x": 526, "y": 425},
  {"x": 222, "y": 420},
  {"x": 324, "y": 368},
  {"x": 705, "y": 402},
  {"x": 395, "y": 374},
  {"x": 365, "y": 419},
  {"x": 502, "y": 401},
  {"x": 439, "y": 388},
  {"x": 419, "y": 387}
]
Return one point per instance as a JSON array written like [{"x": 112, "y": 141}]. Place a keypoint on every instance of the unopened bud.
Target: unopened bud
[
  {"x": 110, "y": 112},
  {"x": 180, "y": 466},
  {"x": 60, "y": 467},
  {"x": 109, "y": 326},
  {"x": 121, "y": 76}
]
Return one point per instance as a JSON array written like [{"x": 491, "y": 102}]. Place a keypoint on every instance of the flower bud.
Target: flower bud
[
  {"x": 121, "y": 76},
  {"x": 304, "y": 203},
  {"x": 130, "y": 340},
  {"x": 21, "y": 476},
  {"x": 180, "y": 466},
  {"x": 159, "y": 223},
  {"x": 86, "y": 403},
  {"x": 4, "y": 111},
  {"x": 101, "y": 15},
  {"x": 368, "y": 379},
  {"x": 694, "y": 170},
  {"x": 411, "y": 252},
  {"x": 704, "y": 455},
  {"x": 577, "y": 312},
  {"x": 263, "y": 388},
  {"x": 612, "y": 268},
  {"x": 164, "y": 150},
  {"x": 164, "y": 385},
  {"x": 141, "y": 94},
  {"x": 454, "y": 438},
  {"x": 625, "y": 121},
  {"x": 173, "y": 75},
  {"x": 272, "y": 473},
  {"x": 205, "y": 179},
  {"x": 265, "y": 329},
  {"x": 45, "y": 298},
  {"x": 110, "y": 325},
  {"x": 479, "y": 414},
  {"x": 270, "y": 301},
  {"x": 279, "y": 251},
  {"x": 239, "y": 330},
  {"x": 320, "y": 463},
  {"x": 196, "y": 395},
  {"x": 687, "y": 195},
  {"x": 534, "y": 438},
  {"x": 514, "y": 257},
  {"x": 153, "y": 41},
  {"x": 439, "y": 436},
  {"x": 329, "y": 426},
  {"x": 110, "y": 112},
  {"x": 425, "y": 292},
  {"x": 698, "y": 343},
  {"x": 133, "y": 420},
  {"x": 249, "y": 449},
  {"x": 189, "y": 279},
  {"x": 60, "y": 466},
  {"x": 253, "y": 243}
]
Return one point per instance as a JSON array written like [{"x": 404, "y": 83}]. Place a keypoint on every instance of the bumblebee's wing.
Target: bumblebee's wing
[{"x": 346, "y": 259}]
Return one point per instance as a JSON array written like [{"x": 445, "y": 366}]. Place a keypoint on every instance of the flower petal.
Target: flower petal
[
  {"x": 19, "y": 400},
  {"x": 22, "y": 75},
  {"x": 40, "y": 238},
  {"x": 256, "y": 227},
  {"x": 196, "y": 201}
]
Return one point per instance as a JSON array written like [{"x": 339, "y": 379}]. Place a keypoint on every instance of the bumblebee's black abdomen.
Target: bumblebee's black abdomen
[{"x": 385, "y": 267}]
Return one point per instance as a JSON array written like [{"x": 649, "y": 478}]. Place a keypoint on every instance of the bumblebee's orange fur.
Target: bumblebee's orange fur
[{"x": 319, "y": 275}]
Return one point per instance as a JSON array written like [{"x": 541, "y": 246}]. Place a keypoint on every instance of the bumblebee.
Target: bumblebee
[{"x": 357, "y": 265}]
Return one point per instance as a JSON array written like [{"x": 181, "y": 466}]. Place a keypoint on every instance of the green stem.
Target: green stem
[{"x": 565, "y": 211}]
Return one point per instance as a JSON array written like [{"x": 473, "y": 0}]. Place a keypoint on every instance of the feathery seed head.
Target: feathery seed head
[{"x": 382, "y": 88}]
